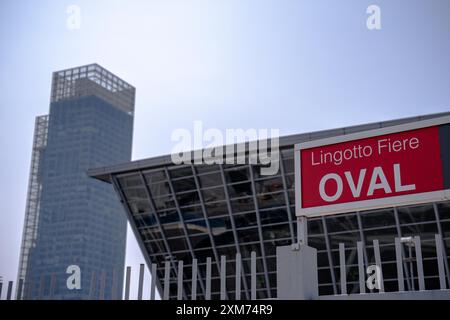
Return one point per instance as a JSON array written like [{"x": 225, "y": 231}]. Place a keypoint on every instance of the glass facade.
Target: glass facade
[
  {"x": 200, "y": 211},
  {"x": 80, "y": 220}
]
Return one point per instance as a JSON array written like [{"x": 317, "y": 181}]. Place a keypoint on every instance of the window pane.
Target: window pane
[
  {"x": 184, "y": 185},
  {"x": 191, "y": 213},
  {"x": 379, "y": 218},
  {"x": 290, "y": 181},
  {"x": 240, "y": 190},
  {"x": 416, "y": 214},
  {"x": 206, "y": 168},
  {"x": 210, "y": 180},
  {"x": 180, "y": 172},
  {"x": 197, "y": 227},
  {"x": 245, "y": 220},
  {"x": 269, "y": 185},
  {"x": 424, "y": 230},
  {"x": 168, "y": 216},
  {"x": 273, "y": 216},
  {"x": 276, "y": 232},
  {"x": 220, "y": 225},
  {"x": 271, "y": 200},
  {"x": 133, "y": 194},
  {"x": 139, "y": 206},
  {"x": 342, "y": 223},
  {"x": 155, "y": 176},
  {"x": 385, "y": 235},
  {"x": 348, "y": 239},
  {"x": 178, "y": 244},
  {"x": 159, "y": 189},
  {"x": 164, "y": 203},
  {"x": 188, "y": 198},
  {"x": 130, "y": 181},
  {"x": 288, "y": 165},
  {"x": 173, "y": 230},
  {"x": 237, "y": 174},
  {"x": 315, "y": 226},
  {"x": 248, "y": 235},
  {"x": 216, "y": 209},
  {"x": 213, "y": 194},
  {"x": 223, "y": 238},
  {"x": 444, "y": 210},
  {"x": 242, "y": 204},
  {"x": 200, "y": 241},
  {"x": 317, "y": 242},
  {"x": 152, "y": 233}
]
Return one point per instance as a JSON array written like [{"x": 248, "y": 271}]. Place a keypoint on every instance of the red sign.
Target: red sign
[{"x": 381, "y": 166}]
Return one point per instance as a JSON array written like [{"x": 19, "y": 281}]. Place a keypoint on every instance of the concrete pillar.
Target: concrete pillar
[{"x": 297, "y": 273}]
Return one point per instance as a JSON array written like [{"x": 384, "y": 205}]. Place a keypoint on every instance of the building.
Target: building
[
  {"x": 181, "y": 212},
  {"x": 70, "y": 218}
]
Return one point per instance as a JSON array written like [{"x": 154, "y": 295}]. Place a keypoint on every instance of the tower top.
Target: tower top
[{"x": 94, "y": 80}]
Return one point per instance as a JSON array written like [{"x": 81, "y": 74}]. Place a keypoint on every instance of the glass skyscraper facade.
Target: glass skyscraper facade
[
  {"x": 72, "y": 219},
  {"x": 182, "y": 212}
]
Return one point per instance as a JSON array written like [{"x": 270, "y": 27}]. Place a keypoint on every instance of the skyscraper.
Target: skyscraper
[{"x": 71, "y": 219}]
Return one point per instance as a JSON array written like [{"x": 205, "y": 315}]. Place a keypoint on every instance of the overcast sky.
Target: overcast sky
[{"x": 292, "y": 65}]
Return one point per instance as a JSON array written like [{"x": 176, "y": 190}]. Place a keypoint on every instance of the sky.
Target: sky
[{"x": 293, "y": 65}]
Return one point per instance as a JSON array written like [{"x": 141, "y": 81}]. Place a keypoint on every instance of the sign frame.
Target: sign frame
[{"x": 371, "y": 204}]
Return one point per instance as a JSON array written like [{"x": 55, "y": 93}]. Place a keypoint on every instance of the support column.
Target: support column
[{"x": 297, "y": 273}]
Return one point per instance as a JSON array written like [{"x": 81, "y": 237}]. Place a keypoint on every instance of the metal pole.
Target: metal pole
[
  {"x": 180, "y": 280},
  {"x": 302, "y": 230},
  {"x": 141, "y": 281},
  {"x": 153, "y": 285},
  {"x": 223, "y": 277},
  {"x": 444, "y": 254},
  {"x": 343, "y": 268},
  {"x": 440, "y": 260},
  {"x": 238, "y": 276},
  {"x": 399, "y": 261},
  {"x": 253, "y": 275},
  {"x": 9, "y": 292},
  {"x": 208, "y": 279},
  {"x": 194, "y": 280},
  {"x": 127, "y": 284},
  {"x": 411, "y": 268},
  {"x": 330, "y": 257},
  {"x": 419, "y": 262},
  {"x": 362, "y": 282},
  {"x": 166, "y": 280},
  {"x": 376, "y": 249}
]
